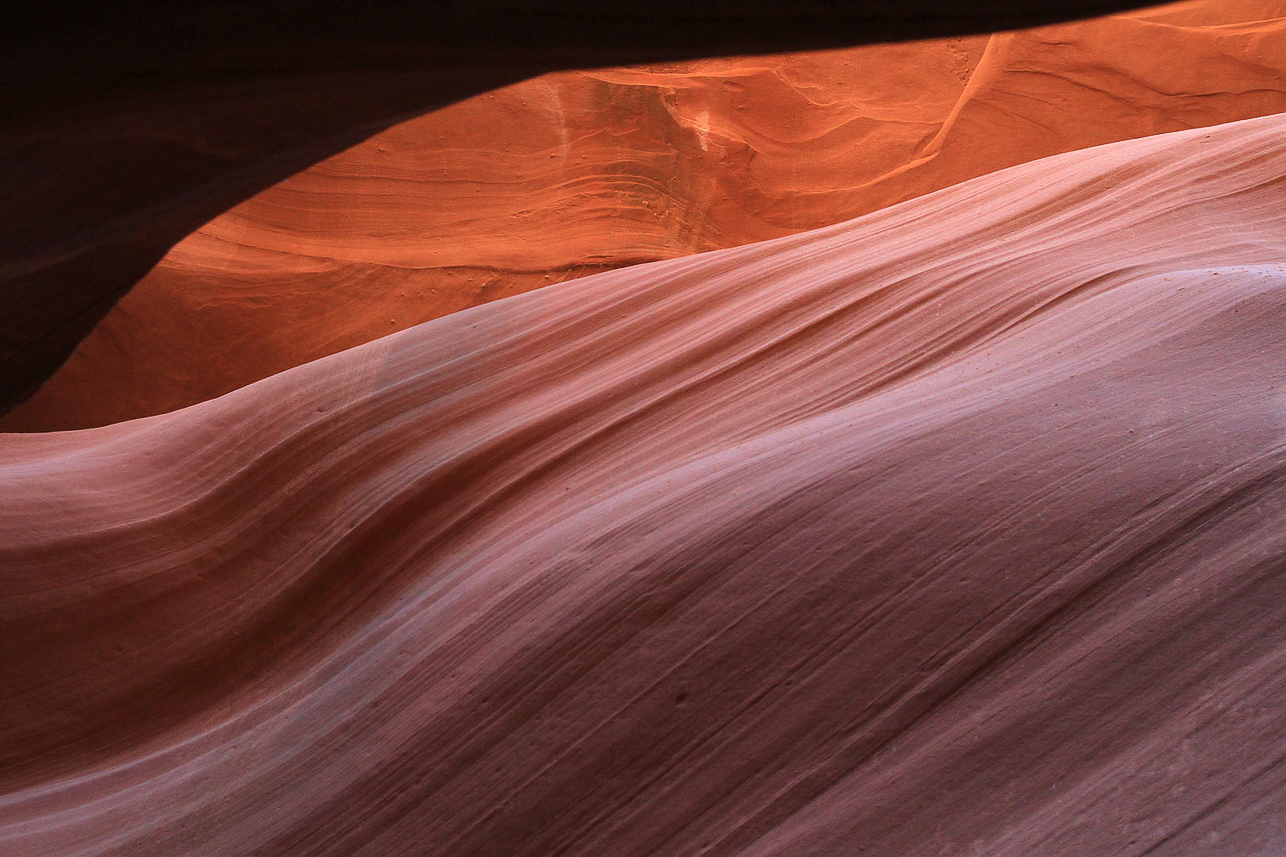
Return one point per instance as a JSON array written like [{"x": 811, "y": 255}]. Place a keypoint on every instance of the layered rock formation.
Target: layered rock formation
[
  {"x": 124, "y": 127},
  {"x": 956, "y": 528},
  {"x": 582, "y": 171}
]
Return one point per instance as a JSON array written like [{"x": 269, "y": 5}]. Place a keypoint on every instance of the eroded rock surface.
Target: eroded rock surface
[
  {"x": 956, "y": 528},
  {"x": 125, "y": 127},
  {"x": 578, "y": 172}
]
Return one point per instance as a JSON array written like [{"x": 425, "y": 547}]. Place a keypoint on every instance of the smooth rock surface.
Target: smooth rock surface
[
  {"x": 957, "y": 528},
  {"x": 124, "y": 127},
  {"x": 578, "y": 172}
]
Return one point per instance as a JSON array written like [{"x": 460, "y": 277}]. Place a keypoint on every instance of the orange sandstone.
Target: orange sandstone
[{"x": 579, "y": 172}]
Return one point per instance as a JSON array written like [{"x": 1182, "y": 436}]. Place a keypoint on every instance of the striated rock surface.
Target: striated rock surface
[
  {"x": 956, "y": 528},
  {"x": 578, "y": 172},
  {"x": 124, "y": 127}
]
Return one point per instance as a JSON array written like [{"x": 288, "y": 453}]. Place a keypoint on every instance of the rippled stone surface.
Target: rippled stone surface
[
  {"x": 579, "y": 172},
  {"x": 956, "y": 528}
]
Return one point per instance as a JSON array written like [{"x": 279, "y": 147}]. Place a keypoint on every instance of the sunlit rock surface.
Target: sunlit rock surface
[
  {"x": 124, "y": 127},
  {"x": 578, "y": 172}
]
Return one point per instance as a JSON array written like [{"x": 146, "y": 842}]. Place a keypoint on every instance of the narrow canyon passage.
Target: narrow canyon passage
[
  {"x": 839, "y": 541},
  {"x": 584, "y": 171},
  {"x": 878, "y": 450}
]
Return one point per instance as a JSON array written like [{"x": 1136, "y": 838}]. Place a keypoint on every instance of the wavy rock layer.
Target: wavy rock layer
[
  {"x": 957, "y": 528},
  {"x": 125, "y": 127},
  {"x": 579, "y": 172}
]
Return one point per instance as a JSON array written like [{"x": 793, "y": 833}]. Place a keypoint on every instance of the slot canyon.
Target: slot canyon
[{"x": 533, "y": 429}]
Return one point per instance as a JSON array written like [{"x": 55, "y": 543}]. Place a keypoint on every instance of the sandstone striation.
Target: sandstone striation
[
  {"x": 124, "y": 127},
  {"x": 578, "y": 172},
  {"x": 954, "y": 528}
]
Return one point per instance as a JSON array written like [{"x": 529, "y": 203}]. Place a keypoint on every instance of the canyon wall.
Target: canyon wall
[
  {"x": 578, "y": 172},
  {"x": 955, "y": 528}
]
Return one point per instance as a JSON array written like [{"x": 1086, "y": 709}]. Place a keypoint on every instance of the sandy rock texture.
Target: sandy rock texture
[
  {"x": 955, "y": 528},
  {"x": 578, "y": 172}
]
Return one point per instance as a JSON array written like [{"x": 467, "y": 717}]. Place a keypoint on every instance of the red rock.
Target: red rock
[
  {"x": 578, "y": 172},
  {"x": 957, "y": 527},
  {"x": 124, "y": 127}
]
